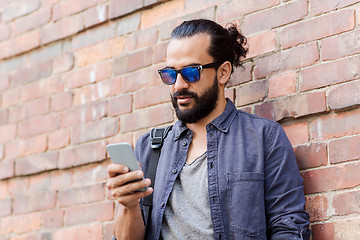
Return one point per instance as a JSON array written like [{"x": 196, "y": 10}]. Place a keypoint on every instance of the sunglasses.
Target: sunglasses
[{"x": 189, "y": 74}]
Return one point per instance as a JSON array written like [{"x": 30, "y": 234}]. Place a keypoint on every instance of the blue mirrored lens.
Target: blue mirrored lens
[
  {"x": 168, "y": 76},
  {"x": 191, "y": 74}
]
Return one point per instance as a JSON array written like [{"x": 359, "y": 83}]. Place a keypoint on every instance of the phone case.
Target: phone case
[{"x": 122, "y": 153}]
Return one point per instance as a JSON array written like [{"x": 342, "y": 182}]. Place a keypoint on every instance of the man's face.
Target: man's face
[{"x": 192, "y": 101}]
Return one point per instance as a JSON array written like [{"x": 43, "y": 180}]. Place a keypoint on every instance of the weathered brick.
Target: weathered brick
[
  {"x": 147, "y": 117},
  {"x": 92, "y": 93},
  {"x": 120, "y": 105},
  {"x": 344, "y": 149},
  {"x": 43, "y": 124},
  {"x": 53, "y": 219},
  {"x": 39, "y": 183},
  {"x": 31, "y": 21},
  {"x": 66, "y": 8},
  {"x": 4, "y": 190},
  {"x": 60, "y": 180},
  {"x": 84, "y": 113},
  {"x": 147, "y": 37},
  {"x": 108, "y": 231},
  {"x": 121, "y": 65},
  {"x": 340, "y": 45},
  {"x": 140, "y": 59},
  {"x": 8, "y": 132},
  {"x": 351, "y": 200},
  {"x": 34, "y": 202},
  {"x": 233, "y": 9},
  {"x": 61, "y": 29},
  {"x": 36, "y": 163},
  {"x": 24, "y": 147},
  {"x": 230, "y": 93},
  {"x": 58, "y": 139},
  {"x": 311, "y": 156},
  {"x": 63, "y": 63},
  {"x": 297, "y": 133},
  {"x": 2, "y": 151},
  {"x": 21, "y": 223},
  {"x": 282, "y": 85},
  {"x": 4, "y": 32},
  {"x": 18, "y": 186},
  {"x": 41, "y": 88},
  {"x": 319, "y": 7},
  {"x": 341, "y": 229},
  {"x": 261, "y": 43},
  {"x": 6, "y": 207},
  {"x": 4, "y": 116},
  {"x": 95, "y": 15},
  {"x": 293, "y": 106},
  {"x": 95, "y": 130},
  {"x": 279, "y": 16},
  {"x": 6, "y": 169},
  {"x": 122, "y": 7},
  {"x": 151, "y": 96},
  {"x": 90, "y": 213},
  {"x": 317, "y": 28},
  {"x": 317, "y": 207},
  {"x": 327, "y": 179},
  {"x": 61, "y": 101},
  {"x": 250, "y": 93},
  {"x": 88, "y": 153},
  {"x": 240, "y": 75},
  {"x": 19, "y": 8},
  {"x": 289, "y": 59},
  {"x": 142, "y": 78},
  {"x": 35, "y": 108},
  {"x": 129, "y": 24},
  {"x": 334, "y": 126},
  {"x": 30, "y": 74},
  {"x": 90, "y": 232},
  {"x": 330, "y": 73},
  {"x": 159, "y": 52},
  {"x": 81, "y": 195},
  {"x": 344, "y": 96}
]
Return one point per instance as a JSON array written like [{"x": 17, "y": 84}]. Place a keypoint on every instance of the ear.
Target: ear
[{"x": 224, "y": 72}]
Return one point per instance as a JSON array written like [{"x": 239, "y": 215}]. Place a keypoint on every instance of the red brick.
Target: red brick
[
  {"x": 84, "y": 113},
  {"x": 61, "y": 101},
  {"x": 7, "y": 169},
  {"x": 330, "y": 73},
  {"x": 6, "y": 207},
  {"x": 3, "y": 189},
  {"x": 311, "y": 156},
  {"x": 60, "y": 180},
  {"x": 317, "y": 28},
  {"x": 2, "y": 152},
  {"x": 30, "y": 74},
  {"x": 261, "y": 43},
  {"x": 4, "y": 116},
  {"x": 66, "y": 8},
  {"x": 29, "y": 236},
  {"x": 289, "y": 59},
  {"x": 240, "y": 75},
  {"x": 35, "y": 108},
  {"x": 319, "y": 7},
  {"x": 89, "y": 232},
  {"x": 10, "y": 97},
  {"x": 151, "y": 96},
  {"x": 43, "y": 124},
  {"x": 88, "y": 153},
  {"x": 120, "y": 105},
  {"x": 129, "y": 24},
  {"x": 139, "y": 79},
  {"x": 351, "y": 200},
  {"x": 94, "y": 173},
  {"x": 345, "y": 149},
  {"x": 21, "y": 223},
  {"x": 140, "y": 59},
  {"x": 18, "y": 186},
  {"x": 92, "y": 93},
  {"x": 282, "y": 85},
  {"x": 340, "y": 46},
  {"x": 41, "y": 88},
  {"x": 317, "y": 207},
  {"x": 341, "y": 229},
  {"x": 334, "y": 126},
  {"x": 4, "y": 32},
  {"x": 53, "y": 219},
  {"x": 233, "y": 9},
  {"x": 31, "y": 21},
  {"x": 250, "y": 93},
  {"x": 95, "y": 15},
  {"x": 108, "y": 231},
  {"x": 90, "y": 213},
  {"x": 279, "y": 16},
  {"x": 121, "y": 7},
  {"x": 61, "y": 29},
  {"x": 81, "y": 195},
  {"x": 24, "y": 147},
  {"x": 8, "y": 132},
  {"x": 159, "y": 52},
  {"x": 147, "y": 117},
  {"x": 20, "y": 44},
  {"x": 36, "y": 163},
  {"x": 95, "y": 130},
  {"x": 123, "y": 137},
  {"x": 58, "y": 139},
  {"x": 63, "y": 63},
  {"x": 19, "y": 8},
  {"x": 230, "y": 93},
  {"x": 327, "y": 179},
  {"x": 34, "y": 202},
  {"x": 147, "y": 37},
  {"x": 297, "y": 133},
  {"x": 293, "y": 106},
  {"x": 121, "y": 65},
  {"x": 39, "y": 183},
  {"x": 344, "y": 96}
]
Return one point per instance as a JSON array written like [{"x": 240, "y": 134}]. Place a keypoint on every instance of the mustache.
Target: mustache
[{"x": 184, "y": 93}]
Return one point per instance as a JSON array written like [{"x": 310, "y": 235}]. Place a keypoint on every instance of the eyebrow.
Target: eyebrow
[{"x": 188, "y": 65}]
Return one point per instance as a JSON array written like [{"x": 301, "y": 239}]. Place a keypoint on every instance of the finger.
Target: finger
[
  {"x": 132, "y": 199},
  {"x": 116, "y": 169},
  {"x": 123, "y": 179}
]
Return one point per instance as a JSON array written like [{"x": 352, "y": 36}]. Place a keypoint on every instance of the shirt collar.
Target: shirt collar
[{"x": 222, "y": 122}]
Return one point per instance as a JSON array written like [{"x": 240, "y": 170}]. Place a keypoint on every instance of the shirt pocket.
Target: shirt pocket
[{"x": 246, "y": 205}]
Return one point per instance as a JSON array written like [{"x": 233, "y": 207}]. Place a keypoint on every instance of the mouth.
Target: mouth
[{"x": 183, "y": 100}]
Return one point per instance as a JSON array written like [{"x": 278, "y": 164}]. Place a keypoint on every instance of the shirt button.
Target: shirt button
[
  {"x": 184, "y": 144},
  {"x": 211, "y": 135},
  {"x": 188, "y": 133},
  {"x": 174, "y": 171},
  {"x": 211, "y": 165},
  {"x": 162, "y": 205}
]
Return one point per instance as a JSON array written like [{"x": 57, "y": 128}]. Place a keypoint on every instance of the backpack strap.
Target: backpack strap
[{"x": 157, "y": 136}]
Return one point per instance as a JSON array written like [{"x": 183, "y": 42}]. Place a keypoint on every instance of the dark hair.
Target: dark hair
[{"x": 226, "y": 44}]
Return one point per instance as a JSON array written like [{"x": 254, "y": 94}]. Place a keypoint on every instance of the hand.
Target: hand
[{"x": 122, "y": 190}]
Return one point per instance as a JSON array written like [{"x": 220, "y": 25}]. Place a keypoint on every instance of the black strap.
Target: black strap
[{"x": 157, "y": 136}]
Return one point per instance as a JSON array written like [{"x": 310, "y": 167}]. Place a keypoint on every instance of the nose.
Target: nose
[{"x": 180, "y": 83}]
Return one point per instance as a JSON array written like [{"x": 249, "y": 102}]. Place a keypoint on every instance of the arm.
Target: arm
[
  {"x": 128, "y": 223},
  {"x": 284, "y": 196}
]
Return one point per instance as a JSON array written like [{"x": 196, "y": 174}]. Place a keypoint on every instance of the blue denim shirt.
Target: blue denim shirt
[{"x": 255, "y": 189}]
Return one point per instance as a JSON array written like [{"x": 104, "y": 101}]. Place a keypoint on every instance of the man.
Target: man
[{"x": 222, "y": 173}]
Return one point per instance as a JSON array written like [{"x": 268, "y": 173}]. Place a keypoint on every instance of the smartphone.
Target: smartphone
[{"x": 122, "y": 153}]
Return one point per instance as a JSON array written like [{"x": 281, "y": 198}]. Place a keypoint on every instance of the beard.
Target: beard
[{"x": 204, "y": 104}]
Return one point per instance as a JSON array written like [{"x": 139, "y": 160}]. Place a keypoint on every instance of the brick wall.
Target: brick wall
[{"x": 76, "y": 75}]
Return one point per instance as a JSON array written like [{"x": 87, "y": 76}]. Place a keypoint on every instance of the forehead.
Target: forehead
[{"x": 188, "y": 50}]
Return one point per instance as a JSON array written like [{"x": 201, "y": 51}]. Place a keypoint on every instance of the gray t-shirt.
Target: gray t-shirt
[{"x": 187, "y": 214}]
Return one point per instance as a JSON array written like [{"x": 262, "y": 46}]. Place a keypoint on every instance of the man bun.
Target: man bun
[{"x": 238, "y": 41}]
